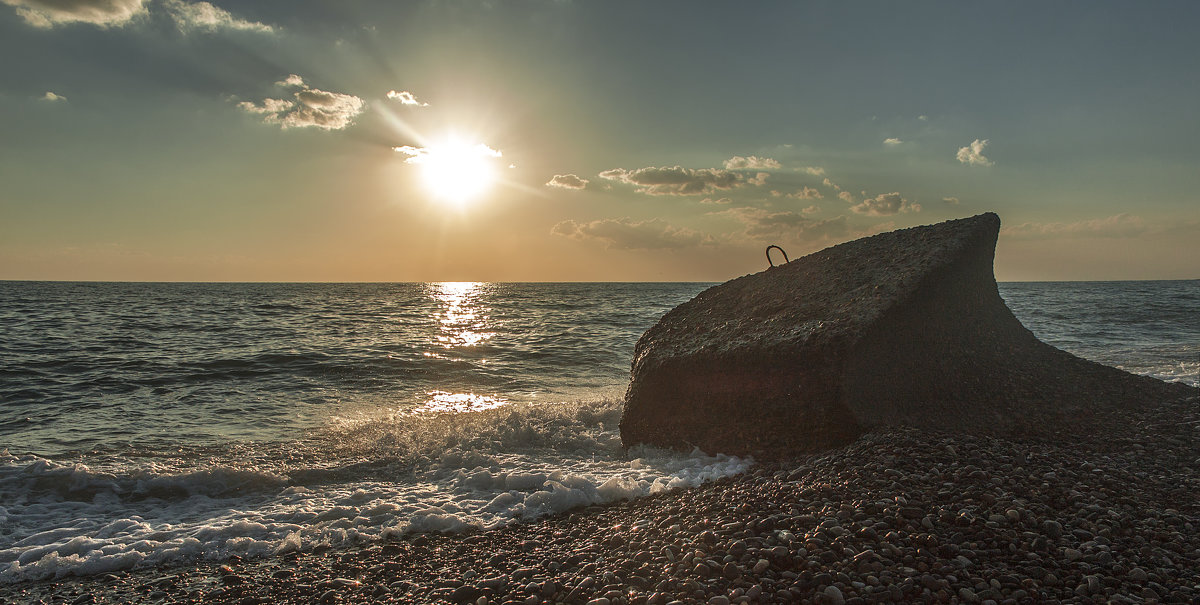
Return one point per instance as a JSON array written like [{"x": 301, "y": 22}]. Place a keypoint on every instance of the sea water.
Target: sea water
[{"x": 149, "y": 424}]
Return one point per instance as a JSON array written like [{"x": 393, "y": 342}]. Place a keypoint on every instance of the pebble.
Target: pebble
[
  {"x": 833, "y": 596},
  {"x": 731, "y": 571},
  {"x": 893, "y": 517}
]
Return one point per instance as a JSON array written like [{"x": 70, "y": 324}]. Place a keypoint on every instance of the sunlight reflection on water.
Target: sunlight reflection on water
[
  {"x": 444, "y": 401},
  {"x": 464, "y": 321},
  {"x": 463, "y": 318}
]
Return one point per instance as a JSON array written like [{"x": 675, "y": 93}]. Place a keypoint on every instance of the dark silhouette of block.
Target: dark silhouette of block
[{"x": 902, "y": 328}]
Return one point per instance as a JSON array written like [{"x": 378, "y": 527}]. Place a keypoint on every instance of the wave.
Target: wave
[{"x": 363, "y": 477}]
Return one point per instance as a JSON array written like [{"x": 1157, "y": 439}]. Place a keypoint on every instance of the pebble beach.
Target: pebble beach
[{"x": 1103, "y": 513}]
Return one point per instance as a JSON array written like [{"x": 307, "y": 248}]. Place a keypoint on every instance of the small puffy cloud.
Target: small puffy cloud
[
  {"x": 814, "y": 170},
  {"x": 270, "y": 106},
  {"x": 204, "y": 16},
  {"x": 328, "y": 110},
  {"x": 422, "y": 155},
  {"x": 627, "y": 234},
  {"x": 405, "y": 98},
  {"x": 892, "y": 142},
  {"x": 291, "y": 81},
  {"x": 805, "y": 193},
  {"x": 923, "y": 118},
  {"x": 759, "y": 179},
  {"x": 311, "y": 107},
  {"x": 1118, "y": 225},
  {"x": 738, "y": 162},
  {"x": 972, "y": 155},
  {"x": 675, "y": 180},
  {"x": 104, "y": 13},
  {"x": 567, "y": 181},
  {"x": 814, "y": 209},
  {"x": 50, "y": 97},
  {"x": 885, "y": 204},
  {"x": 953, "y": 201},
  {"x": 845, "y": 196},
  {"x": 786, "y": 225}
]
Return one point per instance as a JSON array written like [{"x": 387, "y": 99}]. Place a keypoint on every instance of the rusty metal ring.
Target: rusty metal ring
[{"x": 785, "y": 256}]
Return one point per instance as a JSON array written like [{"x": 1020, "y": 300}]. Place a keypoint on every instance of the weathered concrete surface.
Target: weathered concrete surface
[{"x": 902, "y": 328}]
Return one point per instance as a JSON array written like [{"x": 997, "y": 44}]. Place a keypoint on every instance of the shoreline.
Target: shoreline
[{"x": 1104, "y": 513}]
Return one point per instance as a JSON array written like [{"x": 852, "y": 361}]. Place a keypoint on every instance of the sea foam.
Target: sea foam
[{"x": 373, "y": 477}]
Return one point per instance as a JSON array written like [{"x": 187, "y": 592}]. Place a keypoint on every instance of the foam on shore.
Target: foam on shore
[{"x": 383, "y": 475}]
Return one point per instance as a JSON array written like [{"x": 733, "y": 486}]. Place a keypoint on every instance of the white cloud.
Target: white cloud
[
  {"x": 271, "y": 106},
  {"x": 675, "y": 180},
  {"x": 104, "y": 13},
  {"x": 972, "y": 155},
  {"x": 405, "y": 98},
  {"x": 845, "y": 196},
  {"x": 953, "y": 201},
  {"x": 188, "y": 16},
  {"x": 50, "y": 97},
  {"x": 720, "y": 200},
  {"x": 204, "y": 16},
  {"x": 291, "y": 81},
  {"x": 759, "y": 179},
  {"x": 311, "y": 108},
  {"x": 1118, "y": 225},
  {"x": 885, "y": 204},
  {"x": 421, "y": 155},
  {"x": 738, "y": 162},
  {"x": 567, "y": 181},
  {"x": 786, "y": 225},
  {"x": 805, "y": 193},
  {"x": 923, "y": 118},
  {"x": 814, "y": 170},
  {"x": 627, "y": 234},
  {"x": 892, "y": 142}
]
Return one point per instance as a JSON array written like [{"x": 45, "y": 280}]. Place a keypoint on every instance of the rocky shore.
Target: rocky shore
[{"x": 1107, "y": 512}]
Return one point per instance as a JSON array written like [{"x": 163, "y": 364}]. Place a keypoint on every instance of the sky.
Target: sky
[{"x": 543, "y": 140}]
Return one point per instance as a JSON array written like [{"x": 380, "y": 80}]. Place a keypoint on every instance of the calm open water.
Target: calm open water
[{"x": 145, "y": 424}]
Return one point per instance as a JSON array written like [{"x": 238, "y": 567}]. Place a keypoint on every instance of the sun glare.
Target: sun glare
[{"x": 455, "y": 171}]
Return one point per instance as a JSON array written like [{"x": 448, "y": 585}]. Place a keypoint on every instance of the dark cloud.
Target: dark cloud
[
  {"x": 627, "y": 234},
  {"x": 567, "y": 181},
  {"x": 676, "y": 180},
  {"x": 786, "y": 225}
]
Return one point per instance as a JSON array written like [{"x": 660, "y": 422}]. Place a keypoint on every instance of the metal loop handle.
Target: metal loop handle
[{"x": 785, "y": 258}]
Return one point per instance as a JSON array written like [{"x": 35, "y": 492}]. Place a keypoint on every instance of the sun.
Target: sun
[{"x": 454, "y": 170}]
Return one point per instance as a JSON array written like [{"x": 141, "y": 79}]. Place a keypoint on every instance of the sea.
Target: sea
[{"x": 150, "y": 424}]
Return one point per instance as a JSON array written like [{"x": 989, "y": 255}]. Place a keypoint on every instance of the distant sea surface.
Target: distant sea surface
[{"x": 147, "y": 424}]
